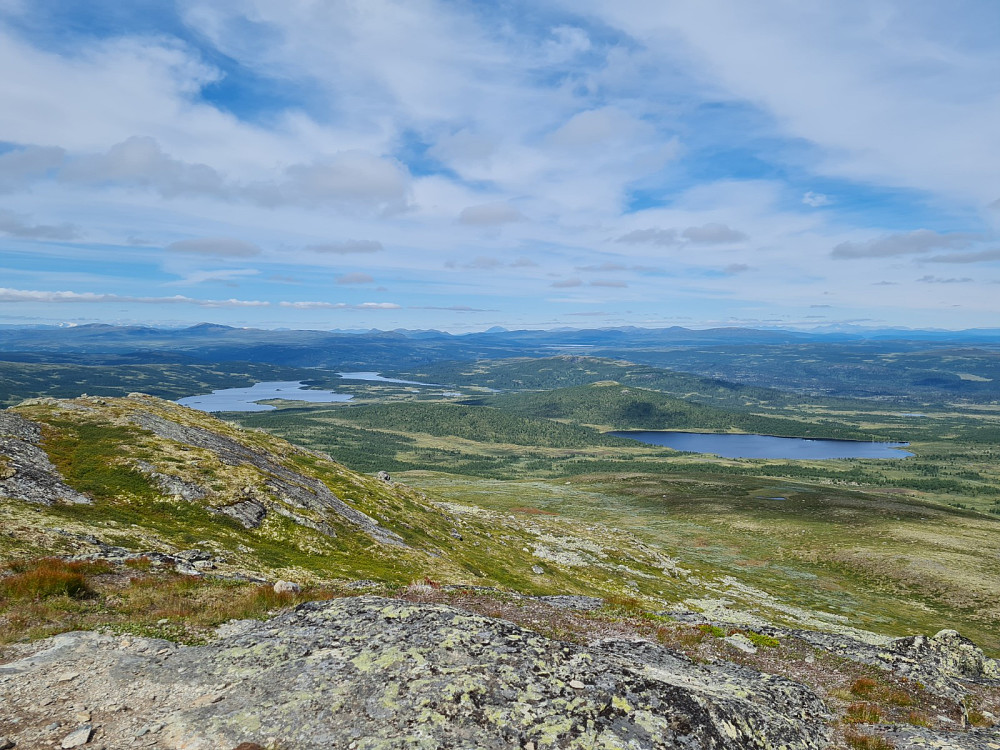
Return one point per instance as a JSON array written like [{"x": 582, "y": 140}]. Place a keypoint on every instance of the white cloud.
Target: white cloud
[
  {"x": 24, "y": 295},
  {"x": 21, "y": 166},
  {"x": 340, "y": 306},
  {"x": 19, "y": 226},
  {"x": 892, "y": 93},
  {"x": 905, "y": 243},
  {"x": 220, "y": 246},
  {"x": 713, "y": 234},
  {"x": 978, "y": 256},
  {"x": 350, "y": 179},
  {"x": 355, "y": 278},
  {"x": 139, "y": 161},
  {"x": 347, "y": 247},
  {"x": 611, "y": 284},
  {"x": 225, "y": 276},
  {"x": 489, "y": 214},
  {"x": 940, "y": 280},
  {"x": 567, "y": 283},
  {"x": 664, "y": 237},
  {"x": 816, "y": 200}
]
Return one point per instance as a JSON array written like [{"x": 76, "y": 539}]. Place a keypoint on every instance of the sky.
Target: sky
[{"x": 464, "y": 164}]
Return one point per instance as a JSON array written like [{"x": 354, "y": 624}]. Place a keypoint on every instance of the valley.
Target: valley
[{"x": 498, "y": 484}]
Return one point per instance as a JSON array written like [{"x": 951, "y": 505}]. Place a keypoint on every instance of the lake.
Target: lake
[
  {"x": 245, "y": 399},
  {"x": 765, "y": 446},
  {"x": 374, "y": 377}
]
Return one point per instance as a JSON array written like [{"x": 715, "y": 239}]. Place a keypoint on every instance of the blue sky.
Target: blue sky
[{"x": 460, "y": 165}]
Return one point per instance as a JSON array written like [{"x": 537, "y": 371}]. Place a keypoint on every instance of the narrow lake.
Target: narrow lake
[
  {"x": 374, "y": 377},
  {"x": 765, "y": 446},
  {"x": 245, "y": 399}
]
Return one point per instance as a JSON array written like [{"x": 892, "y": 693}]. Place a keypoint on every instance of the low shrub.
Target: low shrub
[{"x": 44, "y": 578}]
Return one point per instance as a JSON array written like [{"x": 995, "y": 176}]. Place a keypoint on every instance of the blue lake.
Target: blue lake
[
  {"x": 374, "y": 377},
  {"x": 765, "y": 446},
  {"x": 245, "y": 399}
]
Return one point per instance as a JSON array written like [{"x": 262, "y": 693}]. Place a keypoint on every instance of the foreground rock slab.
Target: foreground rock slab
[{"x": 368, "y": 672}]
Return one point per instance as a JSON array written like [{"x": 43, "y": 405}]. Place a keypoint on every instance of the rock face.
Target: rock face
[
  {"x": 946, "y": 662},
  {"x": 368, "y": 672},
  {"x": 294, "y": 488},
  {"x": 27, "y": 473}
]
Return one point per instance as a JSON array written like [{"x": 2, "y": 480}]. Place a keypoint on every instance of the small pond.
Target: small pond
[
  {"x": 246, "y": 399},
  {"x": 765, "y": 446}
]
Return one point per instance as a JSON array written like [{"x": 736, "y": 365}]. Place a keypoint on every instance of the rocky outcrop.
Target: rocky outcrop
[
  {"x": 368, "y": 672},
  {"x": 946, "y": 663},
  {"x": 293, "y": 488},
  {"x": 172, "y": 485},
  {"x": 26, "y": 473}
]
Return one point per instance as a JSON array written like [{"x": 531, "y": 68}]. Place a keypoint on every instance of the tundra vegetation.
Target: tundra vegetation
[{"x": 511, "y": 492}]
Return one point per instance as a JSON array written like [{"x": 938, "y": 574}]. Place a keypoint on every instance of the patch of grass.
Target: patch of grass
[
  {"x": 873, "y": 690},
  {"x": 762, "y": 641},
  {"x": 49, "y": 596},
  {"x": 44, "y": 579},
  {"x": 139, "y": 563},
  {"x": 918, "y": 719},
  {"x": 89, "y": 456},
  {"x": 713, "y": 630},
  {"x": 862, "y": 713},
  {"x": 858, "y": 741},
  {"x": 978, "y": 719}
]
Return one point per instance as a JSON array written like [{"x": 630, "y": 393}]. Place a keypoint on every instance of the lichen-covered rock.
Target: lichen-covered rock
[
  {"x": 286, "y": 587},
  {"x": 369, "y": 672},
  {"x": 949, "y": 653},
  {"x": 28, "y": 474},
  {"x": 945, "y": 663},
  {"x": 250, "y": 513},
  {"x": 172, "y": 485},
  {"x": 294, "y": 489}
]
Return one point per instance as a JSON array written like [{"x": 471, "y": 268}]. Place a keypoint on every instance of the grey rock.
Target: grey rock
[
  {"x": 15, "y": 426},
  {"x": 293, "y": 488},
  {"x": 172, "y": 485},
  {"x": 79, "y": 738},
  {"x": 573, "y": 602},
  {"x": 905, "y": 737},
  {"x": 249, "y": 513},
  {"x": 26, "y": 473},
  {"x": 383, "y": 476},
  {"x": 945, "y": 663},
  {"x": 193, "y": 555},
  {"x": 6, "y": 744},
  {"x": 404, "y": 675},
  {"x": 287, "y": 587}
]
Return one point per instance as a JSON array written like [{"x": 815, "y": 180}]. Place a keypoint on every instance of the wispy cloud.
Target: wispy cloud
[
  {"x": 903, "y": 243},
  {"x": 978, "y": 256},
  {"x": 17, "y": 225},
  {"x": 489, "y": 214},
  {"x": 347, "y": 247},
  {"x": 816, "y": 200},
  {"x": 355, "y": 278},
  {"x": 229, "y": 247},
  {"x": 25, "y": 295},
  {"x": 340, "y": 306}
]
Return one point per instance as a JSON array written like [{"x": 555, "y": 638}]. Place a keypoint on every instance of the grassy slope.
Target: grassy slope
[{"x": 94, "y": 446}]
